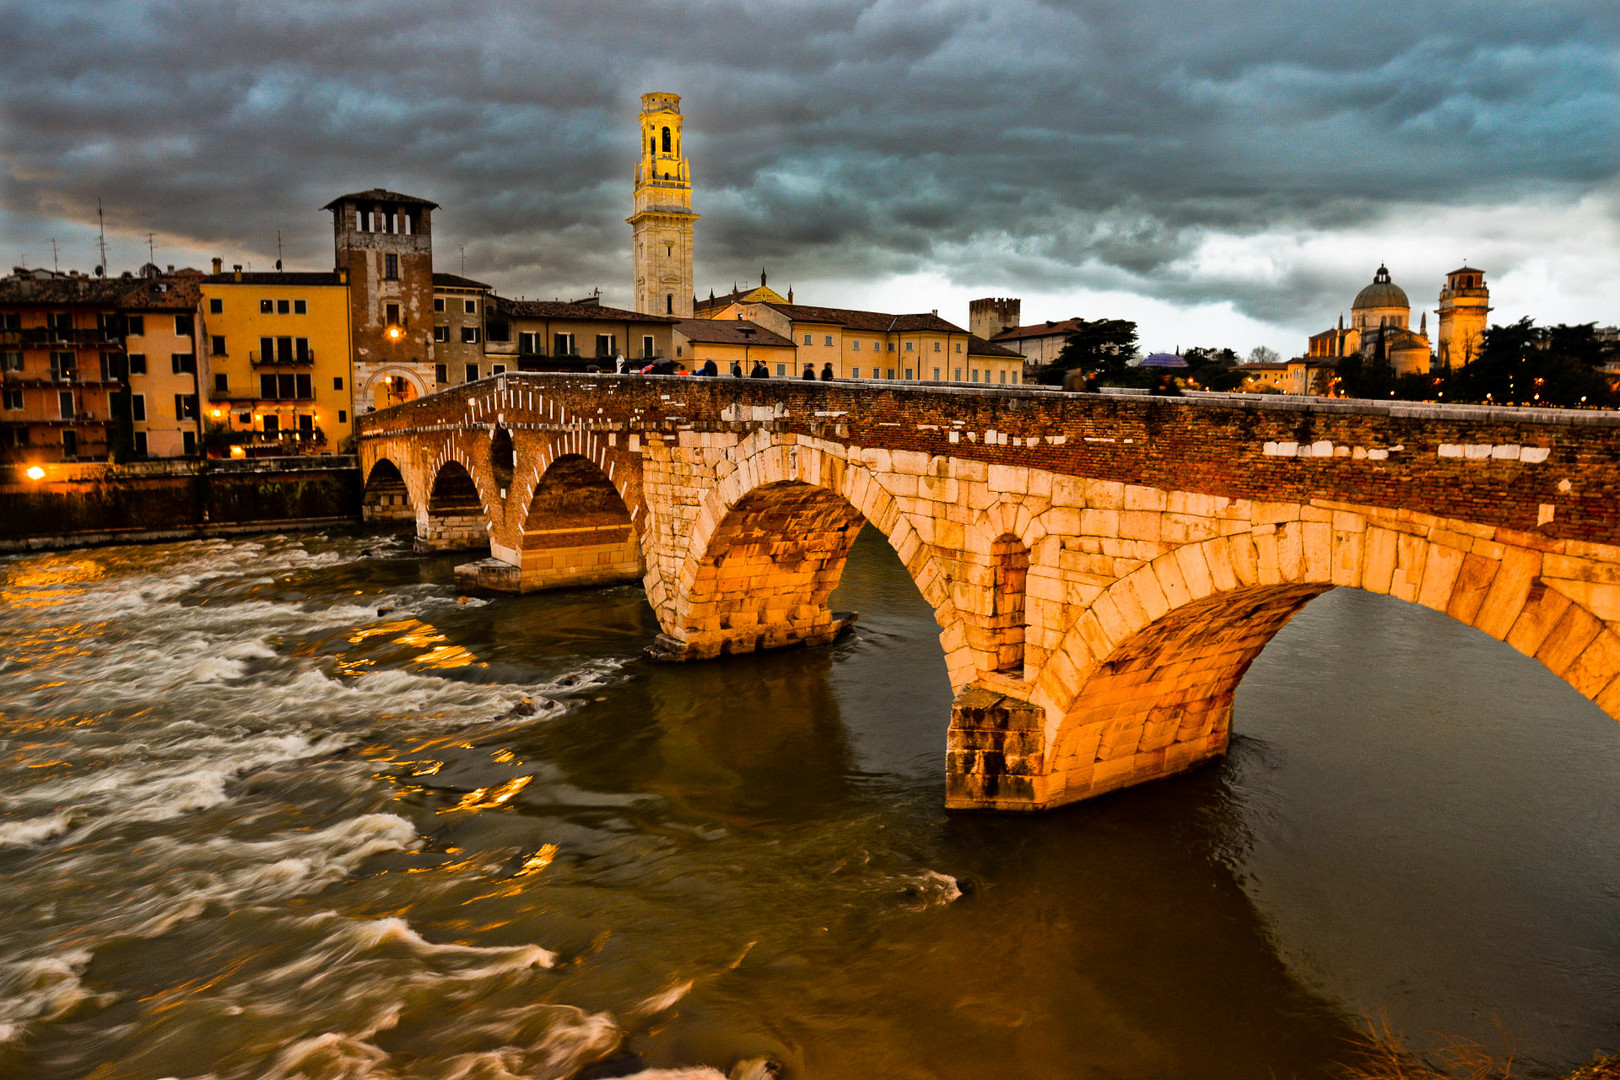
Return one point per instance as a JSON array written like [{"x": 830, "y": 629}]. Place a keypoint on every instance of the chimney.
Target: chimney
[
  {"x": 236, "y": 268},
  {"x": 219, "y": 265}
]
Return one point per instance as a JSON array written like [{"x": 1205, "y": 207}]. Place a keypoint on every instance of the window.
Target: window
[
  {"x": 216, "y": 306},
  {"x": 137, "y": 363},
  {"x": 856, "y": 345},
  {"x": 908, "y": 373},
  {"x": 1015, "y": 378},
  {"x": 891, "y": 346},
  {"x": 472, "y": 372},
  {"x": 64, "y": 404},
  {"x": 185, "y": 406},
  {"x": 267, "y": 307},
  {"x": 438, "y": 303},
  {"x": 283, "y": 307},
  {"x": 305, "y": 386},
  {"x": 14, "y": 400},
  {"x": 391, "y": 314},
  {"x": 306, "y": 425},
  {"x": 337, "y": 382},
  {"x": 666, "y": 140},
  {"x": 11, "y": 361},
  {"x": 891, "y": 373},
  {"x": 300, "y": 308},
  {"x": 188, "y": 442},
  {"x": 958, "y": 376},
  {"x": 1004, "y": 378},
  {"x": 909, "y": 344},
  {"x": 391, "y": 267},
  {"x": 272, "y": 425},
  {"x": 647, "y": 346},
  {"x": 936, "y": 374},
  {"x": 958, "y": 346},
  {"x": 343, "y": 416},
  {"x": 62, "y": 365},
  {"x": 70, "y": 444},
  {"x": 529, "y": 343},
  {"x": 604, "y": 345},
  {"x": 440, "y": 375},
  {"x": 182, "y": 363},
  {"x": 808, "y": 339},
  {"x": 109, "y": 367},
  {"x": 267, "y": 386},
  {"x": 828, "y": 341},
  {"x": 565, "y": 345},
  {"x": 497, "y": 369},
  {"x": 669, "y": 303},
  {"x": 222, "y": 384},
  {"x": 441, "y": 334},
  {"x": 781, "y": 371},
  {"x": 471, "y": 307},
  {"x": 216, "y": 345},
  {"x": 244, "y": 418},
  {"x": 469, "y": 335},
  {"x": 285, "y": 385},
  {"x": 10, "y": 320},
  {"x": 975, "y": 374},
  {"x": 182, "y": 326},
  {"x": 936, "y": 346},
  {"x": 854, "y": 372},
  {"x": 140, "y": 444},
  {"x": 60, "y": 323}
]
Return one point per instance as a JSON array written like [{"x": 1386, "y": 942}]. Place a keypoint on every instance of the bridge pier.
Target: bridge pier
[
  {"x": 995, "y": 753},
  {"x": 741, "y": 634}
]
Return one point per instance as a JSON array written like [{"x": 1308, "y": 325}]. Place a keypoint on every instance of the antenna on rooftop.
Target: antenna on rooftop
[
  {"x": 151, "y": 250},
  {"x": 463, "y": 260},
  {"x": 101, "y": 222},
  {"x": 56, "y": 264},
  {"x": 278, "y": 249}
]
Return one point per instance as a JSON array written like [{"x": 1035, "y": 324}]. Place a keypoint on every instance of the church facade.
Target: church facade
[{"x": 1381, "y": 315}]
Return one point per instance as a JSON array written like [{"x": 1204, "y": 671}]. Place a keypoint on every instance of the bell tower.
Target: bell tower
[
  {"x": 1464, "y": 303},
  {"x": 661, "y": 226}
]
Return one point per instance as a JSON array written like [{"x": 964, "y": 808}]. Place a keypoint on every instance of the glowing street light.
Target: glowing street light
[
  {"x": 36, "y": 473},
  {"x": 395, "y": 333}
]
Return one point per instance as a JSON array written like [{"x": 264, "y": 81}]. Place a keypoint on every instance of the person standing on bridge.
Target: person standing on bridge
[
  {"x": 827, "y": 372},
  {"x": 709, "y": 368},
  {"x": 736, "y": 369},
  {"x": 809, "y": 372},
  {"x": 760, "y": 371}
]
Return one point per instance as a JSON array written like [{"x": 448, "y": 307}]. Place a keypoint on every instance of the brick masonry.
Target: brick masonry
[{"x": 1158, "y": 544}]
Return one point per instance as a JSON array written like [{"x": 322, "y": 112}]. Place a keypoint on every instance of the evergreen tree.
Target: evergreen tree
[{"x": 1104, "y": 347}]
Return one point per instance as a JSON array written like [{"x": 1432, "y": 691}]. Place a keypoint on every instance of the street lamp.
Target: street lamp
[{"x": 36, "y": 473}]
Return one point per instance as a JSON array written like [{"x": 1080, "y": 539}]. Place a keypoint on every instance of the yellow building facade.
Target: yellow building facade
[
  {"x": 277, "y": 348},
  {"x": 165, "y": 403},
  {"x": 876, "y": 345},
  {"x": 734, "y": 342}
]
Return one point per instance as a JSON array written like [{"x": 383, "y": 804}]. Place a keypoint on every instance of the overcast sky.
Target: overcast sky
[{"x": 1225, "y": 173}]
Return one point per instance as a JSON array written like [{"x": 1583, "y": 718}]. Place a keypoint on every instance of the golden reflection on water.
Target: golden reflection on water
[
  {"x": 488, "y": 798},
  {"x": 538, "y": 861},
  {"x": 446, "y": 657}
]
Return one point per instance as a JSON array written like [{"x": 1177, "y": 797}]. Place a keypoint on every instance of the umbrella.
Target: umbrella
[{"x": 1163, "y": 359}]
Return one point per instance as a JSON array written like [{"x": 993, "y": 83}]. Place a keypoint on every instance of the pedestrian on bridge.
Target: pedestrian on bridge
[
  {"x": 760, "y": 371},
  {"x": 827, "y": 372},
  {"x": 809, "y": 372}
]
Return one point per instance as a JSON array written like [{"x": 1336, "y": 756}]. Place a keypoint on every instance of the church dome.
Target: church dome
[{"x": 1382, "y": 293}]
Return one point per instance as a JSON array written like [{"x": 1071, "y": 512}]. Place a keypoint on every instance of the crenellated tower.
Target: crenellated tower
[{"x": 661, "y": 226}]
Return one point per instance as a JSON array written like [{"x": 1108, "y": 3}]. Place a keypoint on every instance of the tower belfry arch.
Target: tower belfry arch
[{"x": 661, "y": 226}]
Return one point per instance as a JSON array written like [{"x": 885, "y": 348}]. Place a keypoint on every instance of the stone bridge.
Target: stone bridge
[{"x": 1103, "y": 568}]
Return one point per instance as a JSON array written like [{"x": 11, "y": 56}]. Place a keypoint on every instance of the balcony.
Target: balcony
[
  {"x": 281, "y": 359},
  {"x": 45, "y": 337}
]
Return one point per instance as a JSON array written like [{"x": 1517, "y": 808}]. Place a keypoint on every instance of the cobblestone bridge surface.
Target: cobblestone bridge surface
[{"x": 1103, "y": 568}]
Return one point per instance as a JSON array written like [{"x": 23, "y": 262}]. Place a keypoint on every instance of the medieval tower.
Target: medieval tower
[
  {"x": 384, "y": 246},
  {"x": 1464, "y": 302},
  {"x": 662, "y": 223}
]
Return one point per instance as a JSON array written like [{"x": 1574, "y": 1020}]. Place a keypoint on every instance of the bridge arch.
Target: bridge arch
[
  {"x": 454, "y": 517},
  {"x": 1143, "y": 683},
  {"x": 769, "y": 543},
  {"x": 386, "y": 496},
  {"x": 576, "y": 527}
]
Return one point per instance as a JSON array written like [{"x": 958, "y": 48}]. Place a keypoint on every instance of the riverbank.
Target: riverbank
[{"x": 77, "y": 504}]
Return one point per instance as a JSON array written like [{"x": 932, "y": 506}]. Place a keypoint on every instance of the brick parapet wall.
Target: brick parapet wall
[{"x": 1496, "y": 466}]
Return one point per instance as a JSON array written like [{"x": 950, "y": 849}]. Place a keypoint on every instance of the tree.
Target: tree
[
  {"x": 1262, "y": 355},
  {"x": 1104, "y": 347},
  {"x": 1213, "y": 369},
  {"x": 1364, "y": 377},
  {"x": 1524, "y": 364}
]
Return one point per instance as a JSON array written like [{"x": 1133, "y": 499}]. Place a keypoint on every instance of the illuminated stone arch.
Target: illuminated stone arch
[
  {"x": 768, "y": 544},
  {"x": 1143, "y": 683},
  {"x": 385, "y": 494}
]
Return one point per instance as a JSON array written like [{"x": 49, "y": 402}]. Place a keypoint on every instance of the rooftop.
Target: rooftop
[
  {"x": 729, "y": 332},
  {"x": 873, "y": 321},
  {"x": 380, "y": 195},
  {"x": 563, "y": 309},
  {"x": 1038, "y": 330},
  {"x": 456, "y": 281}
]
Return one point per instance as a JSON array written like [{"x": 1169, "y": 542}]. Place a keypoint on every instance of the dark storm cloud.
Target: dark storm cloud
[{"x": 1038, "y": 144}]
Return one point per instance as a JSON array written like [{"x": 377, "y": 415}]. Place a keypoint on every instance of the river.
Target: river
[{"x": 288, "y": 806}]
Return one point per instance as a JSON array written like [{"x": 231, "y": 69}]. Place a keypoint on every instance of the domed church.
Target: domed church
[{"x": 1381, "y": 311}]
